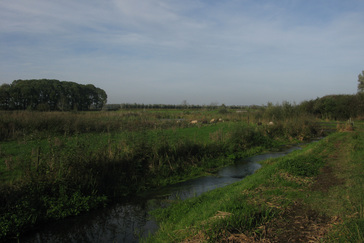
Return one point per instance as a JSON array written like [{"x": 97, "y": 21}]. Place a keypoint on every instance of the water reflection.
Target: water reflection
[
  {"x": 120, "y": 223},
  {"x": 127, "y": 222}
]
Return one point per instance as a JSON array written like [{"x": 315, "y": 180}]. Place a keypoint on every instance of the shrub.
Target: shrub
[{"x": 245, "y": 137}]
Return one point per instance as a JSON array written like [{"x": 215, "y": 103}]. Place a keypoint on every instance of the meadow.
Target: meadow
[{"x": 59, "y": 164}]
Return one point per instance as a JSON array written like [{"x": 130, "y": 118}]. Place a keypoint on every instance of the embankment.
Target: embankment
[{"x": 315, "y": 194}]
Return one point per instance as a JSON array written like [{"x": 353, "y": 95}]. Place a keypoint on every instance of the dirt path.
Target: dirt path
[{"x": 300, "y": 223}]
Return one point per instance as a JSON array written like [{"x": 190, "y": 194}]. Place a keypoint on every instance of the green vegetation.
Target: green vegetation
[
  {"x": 57, "y": 164},
  {"x": 312, "y": 194},
  {"x": 336, "y": 107},
  {"x": 50, "y": 95},
  {"x": 361, "y": 82}
]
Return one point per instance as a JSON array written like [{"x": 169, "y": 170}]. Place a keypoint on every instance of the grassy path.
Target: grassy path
[
  {"x": 312, "y": 195},
  {"x": 329, "y": 212}
]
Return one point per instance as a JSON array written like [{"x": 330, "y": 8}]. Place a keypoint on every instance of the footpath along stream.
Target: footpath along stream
[{"x": 129, "y": 221}]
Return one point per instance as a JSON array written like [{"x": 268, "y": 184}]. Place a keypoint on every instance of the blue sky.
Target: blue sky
[{"x": 236, "y": 52}]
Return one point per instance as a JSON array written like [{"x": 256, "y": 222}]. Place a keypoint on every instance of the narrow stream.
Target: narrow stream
[{"x": 128, "y": 221}]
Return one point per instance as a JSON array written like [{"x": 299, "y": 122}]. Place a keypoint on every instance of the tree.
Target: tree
[
  {"x": 50, "y": 94},
  {"x": 184, "y": 104},
  {"x": 5, "y": 97},
  {"x": 361, "y": 82}
]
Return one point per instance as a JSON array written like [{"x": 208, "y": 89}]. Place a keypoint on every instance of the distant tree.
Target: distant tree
[
  {"x": 5, "y": 97},
  {"x": 361, "y": 82},
  {"x": 337, "y": 107},
  {"x": 184, "y": 104},
  {"x": 213, "y": 105},
  {"x": 50, "y": 94},
  {"x": 307, "y": 106},
  {"x": 223, "y": 109}
]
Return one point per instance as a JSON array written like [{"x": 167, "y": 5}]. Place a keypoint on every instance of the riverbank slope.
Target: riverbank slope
[{"x": 315, "y": 194}]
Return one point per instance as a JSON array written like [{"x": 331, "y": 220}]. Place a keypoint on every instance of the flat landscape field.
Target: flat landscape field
[{"x": 59, "y": 164}]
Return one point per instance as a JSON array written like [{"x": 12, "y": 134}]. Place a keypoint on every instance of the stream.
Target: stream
[{"x": 129, "y": 221}]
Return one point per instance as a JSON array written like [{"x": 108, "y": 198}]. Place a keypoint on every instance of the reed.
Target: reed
[{"x": 59, "y": 164}]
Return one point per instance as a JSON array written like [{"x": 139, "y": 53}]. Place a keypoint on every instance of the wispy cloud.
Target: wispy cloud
[{"x": 230, "y": 47}]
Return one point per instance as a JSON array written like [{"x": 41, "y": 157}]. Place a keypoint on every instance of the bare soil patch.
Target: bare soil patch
[
  {"x": 297, "y": 224},
  {"x": 326, "y": 180}
]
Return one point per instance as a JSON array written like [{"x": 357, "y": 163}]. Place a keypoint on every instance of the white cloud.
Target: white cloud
[{"x": 178, "y": 45}]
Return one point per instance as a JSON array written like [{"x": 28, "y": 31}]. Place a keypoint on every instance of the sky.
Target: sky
[{"x": 232, "y": 52}]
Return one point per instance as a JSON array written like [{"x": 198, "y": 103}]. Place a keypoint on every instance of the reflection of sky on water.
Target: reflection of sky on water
[{"x": 127, "y": 222}]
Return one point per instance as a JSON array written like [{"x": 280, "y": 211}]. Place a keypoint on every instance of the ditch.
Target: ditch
[{"x": 129, "y": 221}]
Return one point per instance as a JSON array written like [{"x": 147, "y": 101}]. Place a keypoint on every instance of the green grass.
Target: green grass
[
  {"x": 346, "y": 200},
  {"x": 54, "y": 165},
  {"x": 196, "y": 216},
  {"x": 14, "y": 153},
  {"x": 247, "y": 206}
]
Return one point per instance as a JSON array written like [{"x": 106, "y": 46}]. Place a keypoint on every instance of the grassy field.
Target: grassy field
[
  {"x": 312, "y": 195},
  {"x": 54, "y": 165}
]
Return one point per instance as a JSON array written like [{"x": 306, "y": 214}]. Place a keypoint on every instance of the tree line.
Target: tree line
[
  {"x": 50, "y": 95},
  {"x": 338, "y": 107},
  {"x": 335, "y": 107},
  {"x": 131, "y": 106}
]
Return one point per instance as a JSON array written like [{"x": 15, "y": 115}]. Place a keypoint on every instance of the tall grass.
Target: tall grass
[
  {"x": 254, "y": 208},
  {"x": 242, "y": 208},
  {"x": 17, "y": 124},
  {"x": 73, "y": 162}
]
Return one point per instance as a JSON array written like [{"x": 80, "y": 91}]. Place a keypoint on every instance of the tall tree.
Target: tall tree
[
  {"x": 361, "y": 82},
  {"x": 5, "y": 97},
  {"x": 50, "y": 94}
]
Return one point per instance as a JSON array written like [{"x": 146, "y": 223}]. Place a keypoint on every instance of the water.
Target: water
[{"x": 128, "y": 221}]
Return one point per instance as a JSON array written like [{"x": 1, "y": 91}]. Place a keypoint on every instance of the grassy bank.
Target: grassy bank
[
  {"x": 55, "y": 165},
  {"x": 315, "y": 194}
]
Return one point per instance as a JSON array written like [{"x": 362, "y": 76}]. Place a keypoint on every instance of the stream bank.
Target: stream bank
[
  {"x": 130, "y": 221},
  {"x": 318, "y": 189}
]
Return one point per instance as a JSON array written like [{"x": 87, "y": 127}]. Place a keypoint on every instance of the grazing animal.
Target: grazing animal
[
  {"x": 212, "y": 120},
  {"x": 194, "y": 122},
  {"x": 259, "y": 123},
  {"x": 271, "y": 123}
]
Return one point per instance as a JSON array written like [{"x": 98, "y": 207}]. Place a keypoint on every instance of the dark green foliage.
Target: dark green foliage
[
  {"x": 245, "y": 137},
  {"x": 336, "y": 107},
  {"x": 50, "y": 95},
  {"x": 23, "y": 206},
  {"x": 361, "y": 82},
  {"x": 301, "y": 128},
  {"x": 280, "y": 112},
  {"x": 223, "y": 109}
]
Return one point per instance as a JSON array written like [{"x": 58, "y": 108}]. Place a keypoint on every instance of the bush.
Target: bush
[{"x": 245, "y": 137}]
